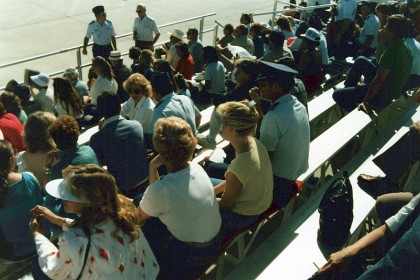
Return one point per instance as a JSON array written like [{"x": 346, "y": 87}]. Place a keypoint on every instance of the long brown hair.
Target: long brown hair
[
  {"x": 64, "y": 93},
  {"x": 99, "y": 187},
  {"x": 6, "y": 153},
  {"x": 105, "y": 67}
]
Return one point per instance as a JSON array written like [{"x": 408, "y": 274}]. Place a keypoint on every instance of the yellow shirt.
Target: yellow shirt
[{"x": 254, "y": 171}]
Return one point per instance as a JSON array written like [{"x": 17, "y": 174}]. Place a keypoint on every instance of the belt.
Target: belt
[
  {"x": 204, "y": 244},
  {"x": 141, "y": 41}
]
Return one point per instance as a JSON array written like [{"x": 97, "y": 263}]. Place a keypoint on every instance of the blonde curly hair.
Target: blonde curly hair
[{"x": 174, "y": 141}]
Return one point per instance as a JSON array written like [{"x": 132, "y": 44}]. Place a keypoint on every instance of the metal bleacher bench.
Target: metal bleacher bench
[
  {"x": 322, "y": 149},
  {"x": 292, "y": 251}
]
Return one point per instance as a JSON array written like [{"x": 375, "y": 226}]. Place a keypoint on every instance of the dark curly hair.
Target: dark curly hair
[
  {"x": 6, "y": 153},
  {"x": 65, "y": 132},
  {"x": 11, "y": 103}
]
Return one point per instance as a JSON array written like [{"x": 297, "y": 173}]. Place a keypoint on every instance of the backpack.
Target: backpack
[{"x": 336, "y": 212}]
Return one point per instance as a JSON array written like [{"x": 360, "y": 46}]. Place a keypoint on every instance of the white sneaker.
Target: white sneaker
[{"x": 206, "y": 142}]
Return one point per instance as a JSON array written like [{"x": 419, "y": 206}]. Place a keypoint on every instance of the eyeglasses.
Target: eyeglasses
[{"x": 139, "y": 11}]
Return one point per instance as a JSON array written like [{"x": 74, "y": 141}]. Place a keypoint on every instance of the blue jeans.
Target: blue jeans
[
  {"x": 362, "y": 66},
  {"x": 233, "y": 222},
  {"x": 217, "y": 170},
  {"x": 282, "y": 191},
  {"x": 177, "y": 259}
]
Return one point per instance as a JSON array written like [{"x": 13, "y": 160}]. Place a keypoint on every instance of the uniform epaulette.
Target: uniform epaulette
[
  {"x": 108, "y": 21},
  {"x": 93, "y": 21}
]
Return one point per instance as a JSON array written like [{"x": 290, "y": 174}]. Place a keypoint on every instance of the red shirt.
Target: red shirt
[
  {"x": 12, "y": 131},
  {"x": 185, "y": 67}
]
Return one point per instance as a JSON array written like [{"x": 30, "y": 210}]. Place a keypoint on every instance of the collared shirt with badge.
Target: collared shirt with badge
[{"x": 102, "y": 34}]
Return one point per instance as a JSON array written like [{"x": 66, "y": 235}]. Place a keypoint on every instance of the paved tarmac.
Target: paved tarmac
[{"x": 34, "y": 27}]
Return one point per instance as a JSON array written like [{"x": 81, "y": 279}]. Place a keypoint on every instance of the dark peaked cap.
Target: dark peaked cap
[{"x": 98, "y": 9}]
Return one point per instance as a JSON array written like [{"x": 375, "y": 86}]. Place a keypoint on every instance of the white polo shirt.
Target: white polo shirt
[{"x": 145, "y": 28}]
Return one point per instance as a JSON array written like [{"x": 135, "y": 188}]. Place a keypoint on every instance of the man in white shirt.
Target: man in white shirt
[{"x": 143, "y": 29}]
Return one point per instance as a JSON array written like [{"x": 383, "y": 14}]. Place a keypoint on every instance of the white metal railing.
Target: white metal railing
[{"x": 78, "y": 48}]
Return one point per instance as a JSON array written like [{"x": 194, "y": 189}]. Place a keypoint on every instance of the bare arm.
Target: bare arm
[
  {"x": 114, "y": 42},
  {"x": 156, "y": 38},
  {"x": 220, "y": 188},
  {"x": 143, "y": 216},
  {"x": 232, "y": 190},
  {"x": 85, "y": 42},
  {"x": 256, "y": 95},
  {"x": 337, "y": 259},
  {"x": 41, "y": 211},
  {"x": 380, "y": 77},
  {"x": 153, "y": 169}
]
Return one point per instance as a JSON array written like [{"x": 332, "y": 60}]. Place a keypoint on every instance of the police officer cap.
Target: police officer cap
[{"x": 98, "y": 9}]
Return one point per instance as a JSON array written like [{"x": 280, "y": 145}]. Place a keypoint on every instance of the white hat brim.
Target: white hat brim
[{"x": 61, "y": 189}]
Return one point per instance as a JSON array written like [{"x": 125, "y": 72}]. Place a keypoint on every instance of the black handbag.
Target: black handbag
[{"x": 336, "y": 212}]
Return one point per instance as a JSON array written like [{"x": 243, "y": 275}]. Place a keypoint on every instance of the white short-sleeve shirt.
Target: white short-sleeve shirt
[
  {"x": 141, "y": 112},
  {"x": 185, "y": 202},
  {"x": 102, "y": 34},
  {"x": 101, "y": 85},
  {"x": 145, "y": 28}
]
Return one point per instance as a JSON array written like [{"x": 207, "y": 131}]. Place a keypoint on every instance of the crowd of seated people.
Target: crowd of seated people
[{"x": 258, "y": 81}]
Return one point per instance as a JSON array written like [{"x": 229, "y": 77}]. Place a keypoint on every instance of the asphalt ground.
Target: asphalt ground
[{"x": 30, "y": 28}]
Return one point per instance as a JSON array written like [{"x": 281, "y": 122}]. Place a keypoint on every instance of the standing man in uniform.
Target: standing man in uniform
[
  {"x": 103, "y": 34},
  {"x": 143, "y": 29}
]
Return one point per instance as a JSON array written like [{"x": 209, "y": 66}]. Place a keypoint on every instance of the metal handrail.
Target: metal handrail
[{"x": 78, "y": 48}]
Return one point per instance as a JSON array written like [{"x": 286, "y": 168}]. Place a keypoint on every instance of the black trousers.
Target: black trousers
[{"x": 102, "y": 50}]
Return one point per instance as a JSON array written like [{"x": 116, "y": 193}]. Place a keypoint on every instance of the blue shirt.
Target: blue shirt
[
  {"x": 120, "y": 145},
  {"x": 174, "y": 105}
]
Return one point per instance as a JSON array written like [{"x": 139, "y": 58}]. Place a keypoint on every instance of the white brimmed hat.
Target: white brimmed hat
[
  {"x": 177, "y": 33},
  {"x": 61, "y": 189},
  {"x": 312, "y": 34},
  {"x": 41, "y": 79},
  {"x": 115, "y": 55}
]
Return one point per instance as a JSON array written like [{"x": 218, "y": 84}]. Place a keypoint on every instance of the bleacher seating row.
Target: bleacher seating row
[
  {"x": 293, "y": 251},
  {"x": 356, "y": 126}
]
